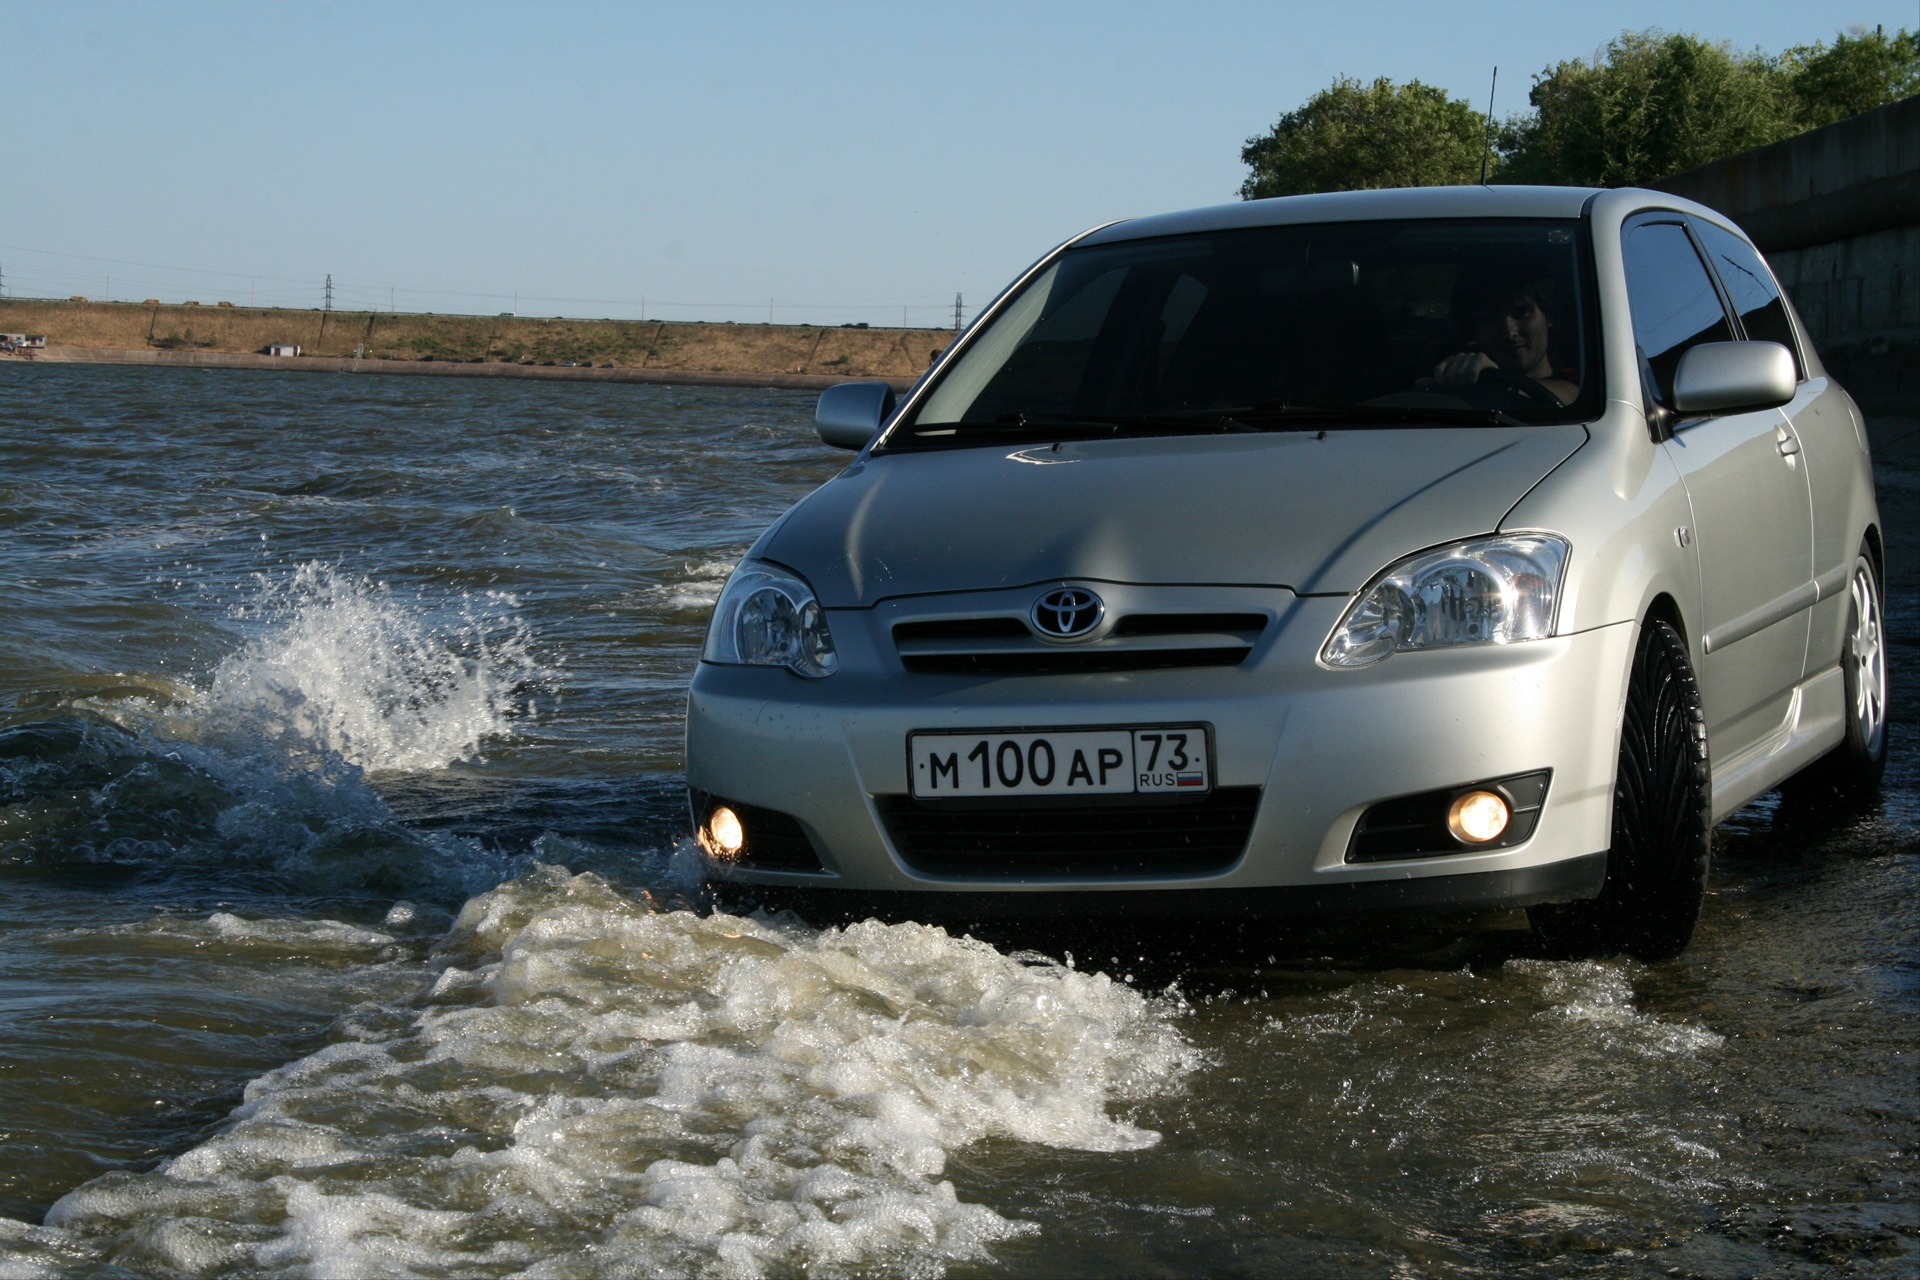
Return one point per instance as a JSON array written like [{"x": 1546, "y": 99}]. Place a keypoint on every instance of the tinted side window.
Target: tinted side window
[
  {"x": 1051, "y": 365},
  {"x": 1750, "y": 285},
  {"x": 1675, "y": 306}
]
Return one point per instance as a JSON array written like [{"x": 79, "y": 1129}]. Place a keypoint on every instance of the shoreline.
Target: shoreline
[
  {"x": 224, "y": 336},
  {"x": 65, "y": 354}
]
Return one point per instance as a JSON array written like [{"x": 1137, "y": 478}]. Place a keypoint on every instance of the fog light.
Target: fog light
[
  {"x": 1478, "y": 816},
  {"x": 725, "y": 836}
]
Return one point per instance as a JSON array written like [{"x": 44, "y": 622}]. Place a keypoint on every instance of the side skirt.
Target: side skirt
[{"x": 1815, "y": 723}]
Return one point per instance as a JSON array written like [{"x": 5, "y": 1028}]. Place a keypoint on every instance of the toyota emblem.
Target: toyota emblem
[{"x": 1067, "y": 613}]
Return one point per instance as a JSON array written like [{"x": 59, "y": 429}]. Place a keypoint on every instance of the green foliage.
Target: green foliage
[
  {"x": 1651, "y": 105},
  {"x": 1353, "y": 136},
  {"x": 1856, "y": 73}
]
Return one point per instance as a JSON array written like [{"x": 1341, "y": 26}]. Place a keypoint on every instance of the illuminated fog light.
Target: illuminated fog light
[
  {"x": 725, "y": 836},
  {"x": 1478, "y": 817}
]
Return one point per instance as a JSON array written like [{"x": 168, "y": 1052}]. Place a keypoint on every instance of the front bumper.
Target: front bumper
[{"x": 1311, "y": 749}]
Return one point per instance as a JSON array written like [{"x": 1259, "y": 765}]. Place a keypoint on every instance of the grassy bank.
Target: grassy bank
[{"x": 631, "y": 344}]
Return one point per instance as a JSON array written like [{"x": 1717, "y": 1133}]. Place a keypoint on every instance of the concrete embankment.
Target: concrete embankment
[
  {"x": 472, "y": 346},
  {"x": 1837, "y": 212}
]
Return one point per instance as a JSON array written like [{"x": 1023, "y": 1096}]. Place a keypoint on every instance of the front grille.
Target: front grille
[
  {"x": 1054, "y": 662},
  {"x": 951, "y": 630},
  {"x": 1113, "y": 835},
  {"x": 1004, "y": 645},
  {"x": 1247, "y": 625}
]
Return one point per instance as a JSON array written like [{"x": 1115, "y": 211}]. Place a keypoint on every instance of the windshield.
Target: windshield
[{"x": 1356, "y": 323}]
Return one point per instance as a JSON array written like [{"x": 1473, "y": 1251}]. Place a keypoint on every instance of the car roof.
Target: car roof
[{"x": 1355, "y": 206}]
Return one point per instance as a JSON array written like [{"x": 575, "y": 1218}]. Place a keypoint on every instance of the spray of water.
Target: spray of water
[
  {"x": 593, "y": 1086},
  {"x": 266, "y": 765},
  {"x": 342, "y": 667}
]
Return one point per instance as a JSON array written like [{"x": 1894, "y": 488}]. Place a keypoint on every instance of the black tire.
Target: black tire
[
  {"x": 1657, "y": 864},
  {"x": 1853, "y": 769}
]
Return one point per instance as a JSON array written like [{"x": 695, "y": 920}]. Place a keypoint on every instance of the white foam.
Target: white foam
[
  {"x": 302, "y": 937},
  {"x": 344, "y": 666},
  {"x": 596, "y": 1086},
  {"x": 28, "y": 1252},
  {"x": 1599, "y": 995},
  {"x": 698, "y": 586},
  {"x": 269, "y": 937}
]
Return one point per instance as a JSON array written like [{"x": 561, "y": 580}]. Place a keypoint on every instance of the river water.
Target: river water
[{"x": 347, "y": 926}]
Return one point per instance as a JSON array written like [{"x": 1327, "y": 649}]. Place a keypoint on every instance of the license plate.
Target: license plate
[{"x": 1161, "y": 759}]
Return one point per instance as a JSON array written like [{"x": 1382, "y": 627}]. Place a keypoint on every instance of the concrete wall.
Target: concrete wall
[{"x": 1837, "y": 212}]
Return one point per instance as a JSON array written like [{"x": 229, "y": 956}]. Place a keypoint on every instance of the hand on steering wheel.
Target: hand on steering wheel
[
  {"x": 1520, "y": 385},
  {"x": 1462, "y": 369}
]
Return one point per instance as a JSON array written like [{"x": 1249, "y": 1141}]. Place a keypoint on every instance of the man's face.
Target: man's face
[{"x": 1515, "y": 336}]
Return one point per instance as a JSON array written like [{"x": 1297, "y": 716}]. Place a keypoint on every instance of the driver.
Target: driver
[{"x": 1508, "y": 319}]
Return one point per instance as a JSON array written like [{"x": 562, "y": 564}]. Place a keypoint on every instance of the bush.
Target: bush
[{"x": 1353, "y": 136}]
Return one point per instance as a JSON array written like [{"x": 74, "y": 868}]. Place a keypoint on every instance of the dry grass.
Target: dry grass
[{"x": 731, "y": 348}]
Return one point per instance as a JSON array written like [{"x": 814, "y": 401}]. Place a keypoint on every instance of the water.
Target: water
[{"x": 347, "y": 927}]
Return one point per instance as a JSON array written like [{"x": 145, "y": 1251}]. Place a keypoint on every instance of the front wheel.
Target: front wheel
[{"x": 1657, "y": 865}]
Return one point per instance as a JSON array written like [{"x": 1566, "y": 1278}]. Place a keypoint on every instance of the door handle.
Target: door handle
[{"x": 1787, "y": 442}]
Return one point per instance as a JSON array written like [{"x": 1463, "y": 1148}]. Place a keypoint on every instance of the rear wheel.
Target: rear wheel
[
  {"x": 1855, "y": 766},
  {"x": 1657, "y": 864}
]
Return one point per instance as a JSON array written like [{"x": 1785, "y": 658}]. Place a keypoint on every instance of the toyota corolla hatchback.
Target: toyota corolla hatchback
[{"x": 1396, "y": 550}]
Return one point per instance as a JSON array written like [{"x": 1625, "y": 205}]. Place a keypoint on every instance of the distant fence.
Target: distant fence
[{"x": 1837, "y": 212}]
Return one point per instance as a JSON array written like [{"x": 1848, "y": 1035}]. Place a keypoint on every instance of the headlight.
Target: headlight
[
  {"x": 768, "y": 617},
  {"x": 1489, "y": 591}
]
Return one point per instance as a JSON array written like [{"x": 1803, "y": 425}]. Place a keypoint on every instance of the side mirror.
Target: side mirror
[
  {"x": 1716, "y": 377},
  {"x": 848, "y": 415}
]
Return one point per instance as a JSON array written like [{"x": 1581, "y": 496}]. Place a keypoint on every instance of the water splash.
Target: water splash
[
  {"x": 1599, "y": 996},
  {"x": 264, "y": 767},
  {"x": 696, "y": 586},
  {"x": 595, "y": 1086},
  {"x": 344, "y": 667}
]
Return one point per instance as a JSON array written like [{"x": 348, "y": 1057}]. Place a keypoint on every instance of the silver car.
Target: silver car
[{"x": 1395, "y": 550}]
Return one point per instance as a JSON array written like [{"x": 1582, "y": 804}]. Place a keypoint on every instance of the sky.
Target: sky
[{"x": 822, "y": 163}]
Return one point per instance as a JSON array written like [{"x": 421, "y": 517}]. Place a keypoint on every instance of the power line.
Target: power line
[
  {"x": 59, "y": 283},
  {"x": 64, "y": 274}
]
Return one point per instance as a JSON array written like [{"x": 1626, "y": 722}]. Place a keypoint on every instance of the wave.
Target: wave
[
  {"x": 592, "y": 1085},
  {"x": 344, "y": 668},
  {"x": 266, "y": 766}
]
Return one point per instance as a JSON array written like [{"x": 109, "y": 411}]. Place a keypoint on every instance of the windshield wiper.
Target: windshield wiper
[
  {"x": 1278, "y": 414},
  {"x": 1066, "y": 426},
  {"x": 1185, "y": 423},
  {"x": 1267, "y": 415}
]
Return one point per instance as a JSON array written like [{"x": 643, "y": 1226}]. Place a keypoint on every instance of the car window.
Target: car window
[
  {"x": 1347, "y": 316},
  {"x": 1675, "y": 306},
  {"x": 1051, "y": 357},
  {"x": 1756, "y": 298}
]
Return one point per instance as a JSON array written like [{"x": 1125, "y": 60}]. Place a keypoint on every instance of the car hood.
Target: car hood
[{"x": 1318, "y": 513}]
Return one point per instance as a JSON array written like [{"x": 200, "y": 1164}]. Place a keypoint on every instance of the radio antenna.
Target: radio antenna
[{"x": 1486, "y": 153}]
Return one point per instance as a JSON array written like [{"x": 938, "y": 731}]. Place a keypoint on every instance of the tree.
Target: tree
[
  {"x": 1651, "y": 105},
  {"x": 1857, "y": 73},
  {"x": 1353, "y": 136}
]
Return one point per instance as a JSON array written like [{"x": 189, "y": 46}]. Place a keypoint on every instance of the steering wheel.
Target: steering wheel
[{"x": 1519, "y": 384}]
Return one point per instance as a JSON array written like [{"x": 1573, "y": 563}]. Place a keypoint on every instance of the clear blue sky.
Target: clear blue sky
[{"x": 835, "y": 162}]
